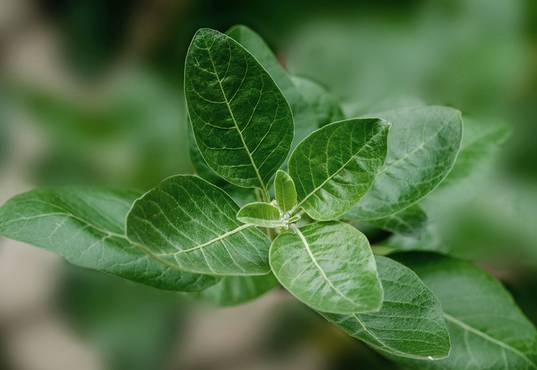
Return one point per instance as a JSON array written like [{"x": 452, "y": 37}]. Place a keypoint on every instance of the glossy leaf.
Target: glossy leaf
[
  {"x": 190, "y": 224},
  {"x": 284, "y": 188},
  {"x": 86, "y": 227},
  {"x": 408, "y": 221},
  {"x": 242, "y": 123},
  {"x": 487, "y": 329},
  {"x": 260, "y": 214},
  {"x": 311, "y": 104},
  {"x": 235, "y": 290},
  {"x": 422, "y": 148},
  {"x": 336, "y": 165},
  {"x": 329, "y": 267},
  {"x": 410, "y": 323}
]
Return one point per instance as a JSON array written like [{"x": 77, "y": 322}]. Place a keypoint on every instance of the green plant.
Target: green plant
[{"x": 188, "y": 234}]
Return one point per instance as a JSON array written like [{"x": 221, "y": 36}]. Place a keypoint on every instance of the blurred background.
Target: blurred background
[{"x": 91, "y": 93}]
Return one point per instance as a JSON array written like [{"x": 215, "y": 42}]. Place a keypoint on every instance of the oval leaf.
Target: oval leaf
[
  {"x": 329, "y": 267},
  {"x": 335, "y": 166},
  {"x": 488, "y": 331},
  {"x": 260, "y": 214},
  {"x": 408, "y": 221},
  {"x": 242, "y": 122},
  {"x": 409, "y": 309},
  {"x": 422, "y": 148},
  {"x": 235, "y": 290},
  {"x": 86, "y": 227},
  {"x": 285, "y": 190},
  {"x": 190, "y": 224}
]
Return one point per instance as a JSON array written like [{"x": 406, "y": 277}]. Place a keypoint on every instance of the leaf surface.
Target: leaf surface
[
  {"x": 336, "y": 165},
  {"x": 409, "y": 324},
  {"x": 408, "y": 221},
  {"x": 422, "y": 148},
  {"x": 329, "y": 267},
  {"x": 190, "y": 224},
  {"x": 260, "y": 214},
  {"x": 236, "y": 290},
  {"x": 284, "y": 188},
  {"x": 242, "y": 123},
  {"x": 487, "y": 329},
  {"x": 86, "y": 227}
]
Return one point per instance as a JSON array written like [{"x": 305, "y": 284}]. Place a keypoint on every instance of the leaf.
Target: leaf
[
  {"x": 480, "y": 140},
  {"x": 86, "y": 227},
  {"x": 260, "y": 214},
  {"x": 285, "y": 190},
  {"x": 487, "y": 329},
  {"x": 190, "y": 224},
  {"x": 311, "y": 104},
  {"x": 242, "y": 122},
  {"x": 329, "y": 267},
  {"x": 409, "y": 324},
  {"x": 235, "y": 290},
  {"x": 336, "y": 165},
  {"x": 422, "y": 148},
  {"x": 408, "y": 221}
]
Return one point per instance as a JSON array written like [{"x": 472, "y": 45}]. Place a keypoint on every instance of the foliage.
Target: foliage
[{"x": 258, "y": 131}]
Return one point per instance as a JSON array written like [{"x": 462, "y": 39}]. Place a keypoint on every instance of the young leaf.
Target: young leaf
[
  {"x": 285, "y": 190},
  {"x": 242, "y": 122},
  {"x": 329, "y": 267},
  {"x": 408, "y": 221},
  {"x": 190, "y": 224},
  {"x": 336, "y": 165},
  {"x": 260, "y": 214},
  {"x": 235, "y": 290},
  {"x": 410, "y": 310},
  {"x": 487, "y": 329},
  {"x": 86, "y": 227},
  {"x": 422, "y": 148},
  {"x": 311, "y": 104}
]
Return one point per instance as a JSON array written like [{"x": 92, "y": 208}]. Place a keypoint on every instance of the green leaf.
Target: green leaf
[
  {"x": 242, "y": 123},
  {"x": 422, "y": 148},
  {"x": 410, "y": 323},
  {"x": 190, "y": 224},
  {"x": 285, "y": 190},
  {"x": 336, "y": 165},
  {"x": 235, "y": 290},
  {"x": 488, "y": 331},
  {"x": 260, "y": 214},
  {"x": 481, "y": 139},
  {"x": 86, "y": 227},
  {"x": 408, "y": 221},
  {"x": 329, "y": 267},
  {"x": 311, "y": 104}
]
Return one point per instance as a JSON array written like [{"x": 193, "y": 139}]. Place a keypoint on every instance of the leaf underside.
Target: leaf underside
[{"x": 260, "y": 214}]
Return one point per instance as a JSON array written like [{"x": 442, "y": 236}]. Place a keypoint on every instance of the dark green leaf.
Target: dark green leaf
[
  {"x": 260, "y": 214},
  {"x": 422, "y": 148},
  {"x": 86, "y": 227},
  {"x": 190, "y": 224},
  {"x": 407, "y": 221},
  {"x": 242, "y": 122},
  {"x": 487, "y": 329},
  {"x": 336, "y": 165},
  {"x": 329, "y": 267},
  {"x": 285, "y": 190},
  {"x": 410, "y": 323}
]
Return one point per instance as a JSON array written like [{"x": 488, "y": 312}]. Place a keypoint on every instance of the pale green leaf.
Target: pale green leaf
[
  {"x": 235, "y": 290},
  {"x": 409, "y": 324},
  {"x": 86, "y": 227},
  {"x": 260, "y": 214},
  {"x": 242, "y": 123},
  {"x": 336, "y": 165},
  {"x": 329, "y": 267},
  {"x": 488, "y": 331},
  {"x": 422, "y": 148},
  {"x": 190, "y": 224},
  {"x": 284, "y": 188}
]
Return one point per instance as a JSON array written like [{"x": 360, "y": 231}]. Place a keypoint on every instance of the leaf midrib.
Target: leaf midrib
[
  {"x": 224, "y": 95},
  {"x": 487, "y": 337}
]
